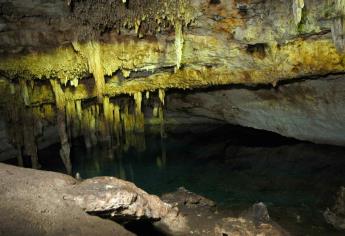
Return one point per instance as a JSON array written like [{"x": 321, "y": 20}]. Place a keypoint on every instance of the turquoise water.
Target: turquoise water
[{"x": 233, "y": 166}]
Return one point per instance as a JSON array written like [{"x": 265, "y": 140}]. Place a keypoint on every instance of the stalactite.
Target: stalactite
[
  {"x": 96, "y": 68},
  {"x": 86, "y": 128},
  {"x": 107, "y": 109},
  {"x": 138, "y": 100},
  {"x": 139, "y": 115},
  {"x": 161, "y": 95},
  {"x": 14, "y": 121},
  {"x": 61, "y": 124},
  {"x": 158, "y": 112},
  {"x": 117, "y": 128},
  {"x": 94, "y": 113},
  {"x": 107, "y": 121},
  {"x": 70, "y": 116},
  {"x": 155, "y": 111},
  {"x": 29, "y": 138},
  {"x": 297, "y": 7},
  {"x": 78, "y": 109},
  {"x": 133, "y": 126},
  {"x": 24, "y": 92},
  {"x": 128, "y": 121},
  {"x": 74, "y": 82},
  {"x": 162, "y": 121},
  {"x": 179, "y": 41},
  {"x": 92, "y": 51},
  {"x": 65, "y": 146},
  {"x": 89, "y": 125},
  {"x": 23, "y": 130},
  {"x": 147, "y": 95}
]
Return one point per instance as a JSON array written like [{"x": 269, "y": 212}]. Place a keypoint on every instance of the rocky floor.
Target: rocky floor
[{"x": 32, "y": 203}]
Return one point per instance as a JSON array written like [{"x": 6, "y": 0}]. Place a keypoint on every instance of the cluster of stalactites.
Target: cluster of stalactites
[
  {"x": 297, "y": 9},
  {"x": 143, "y": 16},
  {"x": 140, "y": 16},
  {"x": 61, "y": 121},
  {"x": 24, "y": 125},
  {"x": 119, "y": 124}
]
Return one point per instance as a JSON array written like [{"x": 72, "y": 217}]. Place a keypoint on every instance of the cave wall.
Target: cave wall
[
  {"x": 310, "y": 109},
  {"x": 69, "y": 64}
]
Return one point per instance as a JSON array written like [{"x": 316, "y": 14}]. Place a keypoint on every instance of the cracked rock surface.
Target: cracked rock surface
[{"x": 46, "y": 203}]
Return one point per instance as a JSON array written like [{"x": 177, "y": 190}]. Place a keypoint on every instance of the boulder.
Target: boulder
[
  {"x": 336, "y": 215},
  {"x": 121, "y": 200},
  {"x": 244, "y": 227},
  {"x": 32, "y": 203}
]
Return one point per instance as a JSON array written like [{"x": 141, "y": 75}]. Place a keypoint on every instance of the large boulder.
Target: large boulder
[
  {"x": 46, "y": 203},
  {"x": 121, "y": 200},
  {"x": 32, "y": 203}
]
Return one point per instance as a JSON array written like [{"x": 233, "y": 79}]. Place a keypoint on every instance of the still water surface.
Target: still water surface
[{"x": 233, "y": 166}]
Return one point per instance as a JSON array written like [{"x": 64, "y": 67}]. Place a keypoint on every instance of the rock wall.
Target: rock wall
[{"x": 309, "y": 110}]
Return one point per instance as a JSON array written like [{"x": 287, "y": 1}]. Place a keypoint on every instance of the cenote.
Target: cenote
[
  {"x": 233, "y": 166},
  {"x": 174, "y": 117}
]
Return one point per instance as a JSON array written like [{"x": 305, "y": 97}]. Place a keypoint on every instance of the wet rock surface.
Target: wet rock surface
[
  {"x": 336, "y": 215},
  {"x": 244, "y": 227},
  {"x": 205, "y": 218},
  {"x": 183, "y": 197}
]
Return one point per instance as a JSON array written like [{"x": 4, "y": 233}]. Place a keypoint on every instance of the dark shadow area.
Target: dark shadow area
[
  {"x": 255, "y": 87},
  {"x": 143, "y": 228}
]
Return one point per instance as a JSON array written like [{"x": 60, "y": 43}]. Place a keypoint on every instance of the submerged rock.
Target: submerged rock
[
  {"x": 204, "y": 218},
  {"x": 336, "y": 215},
  {"x": 255, "y": 221},
  {"x": 244, "y": 227},
  {"x": 258, "y": 213},
  {"x": 183, "y": 197}
]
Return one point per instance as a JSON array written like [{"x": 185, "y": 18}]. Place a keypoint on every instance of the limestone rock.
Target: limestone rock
[
  {"x": 255, "y": 221},
  {"x": 121, "y": 200},
  {"x": 117, "y": 198},
  {"x": 243, "y": 227},
  {"x": 336, "y": 215},
  {"x": 258, "y": 213},
  {"x": 183, "y": 197},
  {"x": 307, "y": 110},
  {"x": 32, "y": 203}
]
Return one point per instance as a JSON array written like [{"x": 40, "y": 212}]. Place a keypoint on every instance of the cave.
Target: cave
[{"x": 175, "y": 117}]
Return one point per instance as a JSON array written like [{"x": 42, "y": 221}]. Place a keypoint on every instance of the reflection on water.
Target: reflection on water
[{"x": 236, "y": 167}]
